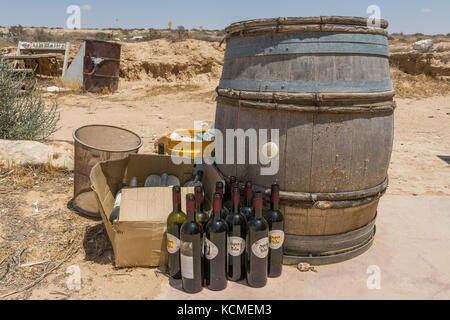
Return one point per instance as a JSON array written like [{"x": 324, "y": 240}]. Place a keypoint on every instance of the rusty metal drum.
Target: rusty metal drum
[{"x": 93, "y": 144}]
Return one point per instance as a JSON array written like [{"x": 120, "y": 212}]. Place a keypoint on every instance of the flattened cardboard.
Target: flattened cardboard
[{"x": 138, "y": 237}]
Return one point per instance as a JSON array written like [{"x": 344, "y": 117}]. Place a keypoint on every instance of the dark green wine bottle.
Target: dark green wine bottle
[
  {"x": 247, "y": 208},
  {"x": 174, "y": 222},
  {"x": 202, "y": 217},
  {"x": 237, "y": 232},
  {"x": 191, "y": 250},
  {"x": 275, "y": 220},
  {"x": 257, "y": 246},
  {"x": 216, "y": 248},
  {"x": 219, "y": 189}
]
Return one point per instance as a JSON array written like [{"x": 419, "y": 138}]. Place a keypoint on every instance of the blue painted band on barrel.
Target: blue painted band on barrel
[
  {"x": 306, "y": 86},
  {"x": 308, "y": 43}
]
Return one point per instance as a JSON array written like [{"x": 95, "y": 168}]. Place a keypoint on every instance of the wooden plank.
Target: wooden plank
[
  {"x": 23, "y": 70},
  {"x": 295, "y": 244},
  {"x": 362, "y": 149},
  {"x": 31, "y": 56},
  {"x": 226, "y": 118},
  {"x": 43, "y": 46},
  {"x": 299, "y": 135},
  {"x": 331, "y": 154}
]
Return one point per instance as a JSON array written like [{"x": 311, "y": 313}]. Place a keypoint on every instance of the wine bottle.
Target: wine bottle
[
  {"x": 237, "y": 232},
  {"x": 191, "y": 250},
  {"x": 197, "y": 180},
  {"x": 228, "y": 197},
  {"x": 174, "y": 222},
  {"x": 202, "y": 217},
  {"x": 161, "y": 149},
  {"x": 257, "y": 246},
  {"x": 219, "y": 189},
  {"x": 275, "y": 220},
  {"x": 216, "y": 248},
  {"x": 115, "y": 212},
  {"x": 247, "y": 208}
]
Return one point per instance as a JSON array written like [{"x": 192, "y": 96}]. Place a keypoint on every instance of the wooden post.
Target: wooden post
[{"x": 66, "y": 59}]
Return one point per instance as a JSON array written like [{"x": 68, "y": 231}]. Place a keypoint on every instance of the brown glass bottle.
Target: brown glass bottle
[
  {"x": 191, "y": 250},
  {"x": 219, "y": 189},
  {"x": 257, "y": 246},
  {"x": 237, "y": 232},
  {"x": 275, "y": 219},
  {"x": 216, "y": 248}
]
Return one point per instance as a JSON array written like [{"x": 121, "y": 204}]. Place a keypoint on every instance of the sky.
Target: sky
[{"x": 407, "y": 16}]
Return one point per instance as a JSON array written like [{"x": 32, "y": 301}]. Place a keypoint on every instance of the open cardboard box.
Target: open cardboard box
[{"x": 138, "y": 237}]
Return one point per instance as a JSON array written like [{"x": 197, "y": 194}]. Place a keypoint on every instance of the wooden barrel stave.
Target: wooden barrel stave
[{"x": 318, "y": 152}]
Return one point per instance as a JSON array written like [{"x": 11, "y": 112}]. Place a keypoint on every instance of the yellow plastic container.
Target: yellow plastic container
[{"x": 187, "y": 149}]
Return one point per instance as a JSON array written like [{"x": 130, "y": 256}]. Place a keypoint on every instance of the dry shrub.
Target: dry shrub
[
  {"x": 418, "y": 86},
  {"x": 54, "y": 233}
]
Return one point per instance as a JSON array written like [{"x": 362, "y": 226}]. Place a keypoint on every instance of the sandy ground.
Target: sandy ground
[
  {"x": 408, "y": 269},
  {"x": 422, "y": 133},
  {"x": 422, "y": 128}
]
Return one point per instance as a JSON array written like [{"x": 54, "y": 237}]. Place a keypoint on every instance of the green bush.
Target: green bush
[{"x": 23, "y": 113}]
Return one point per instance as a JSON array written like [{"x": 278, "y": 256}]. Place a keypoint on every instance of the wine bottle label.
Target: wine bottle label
[
  {"x": 187, "y": 260},
  {"x": 276, "y": 239},
  {"x": 261, "y": 248},
  {"x": 173, "y": 243},
  {"x": 236, "y": 246},
  {"x": 211, "y": 250}
]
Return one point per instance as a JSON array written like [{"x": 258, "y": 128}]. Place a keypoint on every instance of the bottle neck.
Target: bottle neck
[
  {"x": 248, "y": 202},
  {"x": 176, "y": 202},
  {"x": 177, "y": 207},
  {"x": 217, "y": 208},
  {"x": 190, "y": 209},
  {"x": 257, "y": 204},
  {"x": 236, "y": 198},
  {"x": 220, "y": 190},
  {"x": 275, "y": 200},
  {"x": 248, "y": 196},
  {"x": 198, "y": 202},
  {"x": 230, "y": 190}
]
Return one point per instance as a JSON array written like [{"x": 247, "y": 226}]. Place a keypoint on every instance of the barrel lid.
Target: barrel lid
[
  {"x": 107, "y": 138},
  {"x": 318, "y": 23}
]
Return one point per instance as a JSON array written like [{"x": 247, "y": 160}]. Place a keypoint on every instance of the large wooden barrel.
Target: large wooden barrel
[{"x": 324, "y": 82}]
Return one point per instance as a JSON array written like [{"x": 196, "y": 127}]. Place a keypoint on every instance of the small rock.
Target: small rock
[
  {"x": 423, "y": 45},
  {"x": 57, "y": 154},
  {"x": 305, "y": 267}
]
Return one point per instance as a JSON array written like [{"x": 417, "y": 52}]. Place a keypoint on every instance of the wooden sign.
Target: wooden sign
[
  {"x": 43, "y": 46},
  {"x": 53, "y": 46}
]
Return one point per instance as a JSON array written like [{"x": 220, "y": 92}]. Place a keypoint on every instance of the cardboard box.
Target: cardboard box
[{"x": 138, "y": 237}]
